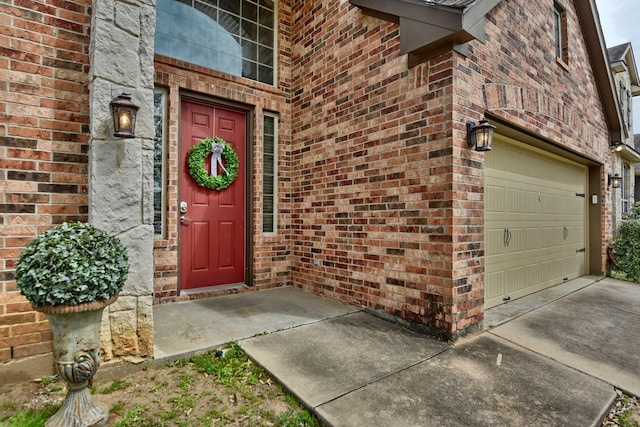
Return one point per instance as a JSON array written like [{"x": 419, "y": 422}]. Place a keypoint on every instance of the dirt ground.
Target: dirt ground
[{"x": 202, "y": 392}]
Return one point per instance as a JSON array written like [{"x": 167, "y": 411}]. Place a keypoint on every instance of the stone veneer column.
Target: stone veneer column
[{"x": 121, "y": 170}]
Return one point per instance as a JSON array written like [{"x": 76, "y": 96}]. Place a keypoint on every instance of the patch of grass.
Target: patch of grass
[
  {"x": 218, "y": 415},
  {"x": 160, "y": 386},
  {"x": 244, "y": 410},
  {"x": 183, "y": 403},
  {"x": 46, "y": 380},
  {"x": 618, "y": 275},
  {"x": 204, "y": 421},
  {"x": 32, "y": 418},
  {"x": 233, "y": 369},
  {"x": 117, "y": 407},
  {"x": 135, "y": 417},
  {"x": 186, "y": 379},
  {"x": 290, "y": 399},
  {"x": 626, "y": 419},
  {"x": 8, "y": 406},
  {"x": 56, "y": 388},
  {"x": 115, "y": 386},
  {"x": 296, "y": 418}
]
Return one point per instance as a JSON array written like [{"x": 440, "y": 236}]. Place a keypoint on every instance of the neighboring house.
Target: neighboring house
[
  {"x": 636, "y": 192},
  {"x": 626, "y": 156},
  {"x": 349, "y": 120}
]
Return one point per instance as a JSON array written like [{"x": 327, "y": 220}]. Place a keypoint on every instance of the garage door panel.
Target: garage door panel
[
  {"x": 496, "y": 285},
  {"x": 531, "y": 239},
  {"x": 552, "y": 237},
  {"x": 507, "y": 260},
  {"x": 494, "y": 238},
  {"x": 552, "y": 269},
  {"x": 575, "y": 235},
  {"x": 520, "y": 201},
  {"x": 494, "y": 199},
  {"x": 539, "y": 199}
]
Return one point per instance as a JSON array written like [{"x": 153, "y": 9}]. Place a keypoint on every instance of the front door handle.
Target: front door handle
[{"x": 184, "y": 219}]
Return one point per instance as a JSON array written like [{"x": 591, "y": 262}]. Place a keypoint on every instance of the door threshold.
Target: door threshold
[{"x": 210, "y": 289}]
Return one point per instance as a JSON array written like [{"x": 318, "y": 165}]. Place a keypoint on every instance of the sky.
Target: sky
[{"x": 620, "y": 20}]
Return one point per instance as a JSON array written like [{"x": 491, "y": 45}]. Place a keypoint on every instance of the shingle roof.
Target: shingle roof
[
  {"x": 451, "y": 3},
  {"x": 616, "y": 53}
]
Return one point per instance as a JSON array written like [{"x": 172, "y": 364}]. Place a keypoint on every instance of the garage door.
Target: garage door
[{"x": 535, "y": 220}]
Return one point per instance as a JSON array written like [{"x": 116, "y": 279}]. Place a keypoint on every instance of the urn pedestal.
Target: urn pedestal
[{"x": 76, "y": 354}]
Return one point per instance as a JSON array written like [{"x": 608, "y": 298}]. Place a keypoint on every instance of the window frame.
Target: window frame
[
  {"x": 629, "y": 109},
  {"x": 163, "y": 165},
  {"x": 258, "y": 53},
  {"x": 625, "y": 184},
  {"x": 560, "y": 33},
  {"x": 622, "y": 99},
  {"x": 274, "y": 224}
]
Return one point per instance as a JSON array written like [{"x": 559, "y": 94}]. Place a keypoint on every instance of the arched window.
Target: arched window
[{"x": 236, "y": 37}]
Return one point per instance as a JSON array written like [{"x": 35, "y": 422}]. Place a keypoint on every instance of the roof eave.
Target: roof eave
[
  {"x": 628, "y": 153},
  {"x": 592, "y": 32},
  {"x": 631, "y": 64}
]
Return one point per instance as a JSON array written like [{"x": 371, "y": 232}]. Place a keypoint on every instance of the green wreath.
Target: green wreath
[{"x": 197, "y": 156}]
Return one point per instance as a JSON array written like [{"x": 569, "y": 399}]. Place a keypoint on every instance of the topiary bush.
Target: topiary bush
[
  {"x": 71, "y": 264},
  {"x": 626, "y": 243}
]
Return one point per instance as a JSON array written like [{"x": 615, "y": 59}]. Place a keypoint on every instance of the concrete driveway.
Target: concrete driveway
[{"x": 555, "y": 365}]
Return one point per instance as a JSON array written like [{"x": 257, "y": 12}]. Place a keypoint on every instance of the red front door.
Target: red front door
[{"x": 212, "y": 233}]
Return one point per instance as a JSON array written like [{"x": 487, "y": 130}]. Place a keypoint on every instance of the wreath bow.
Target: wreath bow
[
  {"x": 219, "y": 149},
  {"x": 216, "y": 157}
]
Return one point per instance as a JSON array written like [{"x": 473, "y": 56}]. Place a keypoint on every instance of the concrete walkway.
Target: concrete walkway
[
  {"x": 551, "y": 361},
  {"x": 184, "y": 328}
]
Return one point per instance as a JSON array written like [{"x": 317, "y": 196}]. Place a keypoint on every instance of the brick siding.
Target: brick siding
[
  {"x": 388, "y": 209},
  {"x": 44, "y": 116}
]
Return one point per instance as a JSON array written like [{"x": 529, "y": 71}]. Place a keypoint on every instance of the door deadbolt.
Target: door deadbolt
[{"x": 183, "y": 207}]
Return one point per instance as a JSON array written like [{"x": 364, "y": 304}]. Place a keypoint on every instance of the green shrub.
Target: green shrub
[
  {"x": 626, "y": 243},
  {"x": 634, "y": 212},
  {"x": 71, "y": 264}
]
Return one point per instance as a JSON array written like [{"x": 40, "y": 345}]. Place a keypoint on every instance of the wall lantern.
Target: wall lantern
[
  {"x": 480, "y": 136},
  {"x": 124, "y": 116},
  {"x": 615, "y": 180}
]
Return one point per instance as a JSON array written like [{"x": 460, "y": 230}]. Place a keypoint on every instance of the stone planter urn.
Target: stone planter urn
[
  {"x": 71, "y": 273},
  {"x": 76, "y": 354}
]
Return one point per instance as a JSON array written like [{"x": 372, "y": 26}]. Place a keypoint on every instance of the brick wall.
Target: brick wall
[
  {"x": 372, "y": 207},
  {"x": 388, "y": 208},
  {"x": 43, "y": 145}
]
